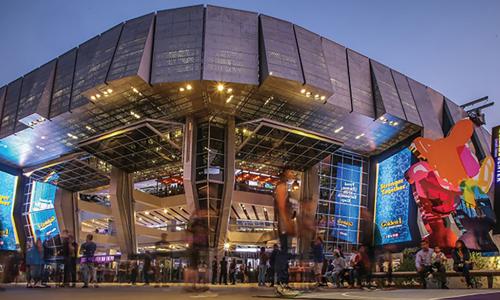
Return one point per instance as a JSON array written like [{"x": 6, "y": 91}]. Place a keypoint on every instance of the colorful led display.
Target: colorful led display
[
  {"x": 8, "y": 236},
  {"x": 42, "y": 214},
  {"x": 347, "y": 202},
  {"x": 392, "y": 200}
]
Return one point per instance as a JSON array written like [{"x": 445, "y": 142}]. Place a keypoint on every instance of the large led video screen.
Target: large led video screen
[
  {"x": 8, "y": 236},
  {"x": 42, "y": 214},
  {"x": 347, "y": 201},
  {"x": 392, "y": 199}
]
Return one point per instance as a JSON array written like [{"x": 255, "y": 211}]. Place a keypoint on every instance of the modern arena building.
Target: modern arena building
[{"x": 201, "y": 108}]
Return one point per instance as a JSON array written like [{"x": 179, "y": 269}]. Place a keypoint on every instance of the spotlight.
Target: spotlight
[
  {"x": 220, "y": 87},
  {"x": 189, "y": 87}
]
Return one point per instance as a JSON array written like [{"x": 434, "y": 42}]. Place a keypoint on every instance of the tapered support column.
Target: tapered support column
[
  {"x": 65, "y": 205},
  {"x": 229, "y": 166},
  {"x": 122, "y": 209},
  {"x": 309, "y": 196},
  {"x": 189, "y": 164}
]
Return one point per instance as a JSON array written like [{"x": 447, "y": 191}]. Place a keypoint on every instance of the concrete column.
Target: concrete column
[
  {"x": 227, "y": 198},
  {"x": 122, "y": 209},
  {"x": 189, "y": 164},
  {"x": 309, "y": 196}
]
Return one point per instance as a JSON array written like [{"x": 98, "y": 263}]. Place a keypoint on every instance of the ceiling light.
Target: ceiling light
[
  {"x": 359, "y": 136},
  {"x": 72, "y": 136},
  {"x": 229, "y": 99},
  {"x": 165, "y": 210},
  {"x": 181, "y": 89},
  {"x": 229, "y": 90},
  {"x": 395, "y": 123},
  {"x": 302, "y": 91},
  {"x": 323, "y": 97},
  {"x": 105, "y": 93},
  {"x": 189, "y": 87},
  {"x": 220, "y": 87},
  {"x": 338, "y": 129},
  {"x": 43, "y": 137},
  {"x": 98, "y": 95},
  {"x": 40, "y": 148},
  {"x": 135, "y": 90},
  {"x": 316, "y": 96},
  {"x": 88, "y": 128},
  {"x": 110, "y": 91},
  {"x": 146, "y": 212},
  {"x": 92, "y": 97}
]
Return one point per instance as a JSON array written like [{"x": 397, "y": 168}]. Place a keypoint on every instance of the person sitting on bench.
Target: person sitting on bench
[
  {"x": 461, "y": 261},
  {"x": 423, "y": 262}
]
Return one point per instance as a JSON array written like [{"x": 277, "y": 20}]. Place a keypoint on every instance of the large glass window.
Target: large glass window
[{"x": 343, "y": 193}]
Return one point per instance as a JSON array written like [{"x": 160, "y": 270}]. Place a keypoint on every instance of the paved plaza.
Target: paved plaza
[{"x": 240, "y": 292}]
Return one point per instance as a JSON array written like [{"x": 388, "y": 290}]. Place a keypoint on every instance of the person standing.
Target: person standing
[
  {"x": 223, "y": 271},
  {"x": 88, "y": 250},
  {"x": 214, "y": 271},
  {"x": 146, "y": 268},
  {"x": 318, "y": 257},
  {"x": 232, "y": 271},
  {"x": 461, "y": 261},
  {"x": 69, "y": 249},
  {"x": 134, "y": 271},
  {"x": 263, "y": 258},
  {"x": 272, "y": 264},
  {"x": 423, "y": 262}
]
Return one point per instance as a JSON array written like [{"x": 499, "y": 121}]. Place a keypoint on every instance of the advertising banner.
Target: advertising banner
[
  {"x": 8, "y": 237},
  {"x": 43, "y": 217},
  {"x": 392, "y": 200},
  {"x": 495, "y": 151},
  {"x": 347, "y": 201}
]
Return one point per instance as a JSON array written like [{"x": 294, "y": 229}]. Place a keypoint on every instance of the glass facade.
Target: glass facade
[{"x": 343, "y": 194}]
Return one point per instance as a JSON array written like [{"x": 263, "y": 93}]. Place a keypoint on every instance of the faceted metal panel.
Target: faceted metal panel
[
  {"x": 406, "y": 97},
  {"x": 361, "y": 85},
  {"x": 336, "y": 62},
  {"x": 130, "y": 52},
  {"x": 83, "y": 67},
  {"x": 430, "y": 118},
  {"x": 10, "y": 108},
  {"x": 231, "y": 47},
  {"x": 279, "y": 56},
  {"x": 455, "y": 111},
  {"x": 3, "y": 92},
  {"x": 437, "y": 101},
  {"x": 102, "y": 57},
  {"x": 61, "y": 93},
  {"x": 35, "y": 94},
  {"x": 388, "y": 93},
  {"x": 312, "y": 59},
  {"x": 178, "y": 44}
]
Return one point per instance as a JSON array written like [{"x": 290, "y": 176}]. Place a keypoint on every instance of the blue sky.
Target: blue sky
[{"x": 450, "y": 45}]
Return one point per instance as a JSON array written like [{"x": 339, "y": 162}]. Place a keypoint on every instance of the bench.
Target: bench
[{"x": 489, "y": 274}]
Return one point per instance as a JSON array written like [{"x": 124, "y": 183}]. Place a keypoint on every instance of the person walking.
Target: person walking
[
  {"x": 461, "y": 261},
  {"x": 223, "y": 271},
  {"x": 272, "y": 264},
  {"x": 214, "y": 271},
  {"x": 87, "y": 250},
  {"x": 263, "y": 259},
  {"x": 423, "y": 262},
  {"x": 34, "y": 259}
]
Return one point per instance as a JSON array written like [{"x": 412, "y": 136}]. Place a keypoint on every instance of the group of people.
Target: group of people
[
  {"x": 432, "y": 263},
  {"x": 38, "y": 264}
]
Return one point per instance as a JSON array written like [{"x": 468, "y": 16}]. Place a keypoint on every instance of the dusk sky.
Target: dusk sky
[{"x": 452, "y": 46}]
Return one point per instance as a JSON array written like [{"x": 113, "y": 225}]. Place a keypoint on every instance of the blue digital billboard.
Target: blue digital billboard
[
  {"x": 42, "y": 214},
  {"x": 392, "y": 200},
  {"x": 347, "y": 202},
  {"x": 8, "y": 236}
]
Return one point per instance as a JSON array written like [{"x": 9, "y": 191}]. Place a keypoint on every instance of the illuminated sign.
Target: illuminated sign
[
  {"x": 8, "y": 236},
  {"x": 392, "y": 199},
  {"x": 42, "y": 214},
  {"x": 347, "y": 201},
  {"x": 495, "y": 151}
]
